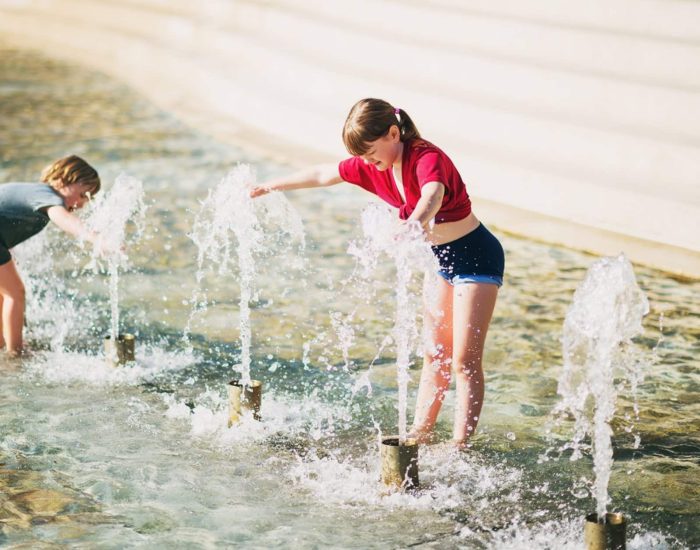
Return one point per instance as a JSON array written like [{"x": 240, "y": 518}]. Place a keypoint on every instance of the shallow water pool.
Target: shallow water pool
[{"x": 142, "y": 456}]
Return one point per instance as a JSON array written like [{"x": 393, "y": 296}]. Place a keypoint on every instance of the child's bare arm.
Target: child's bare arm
[
  {"x": 429, "y": 203},
  {"x": 70, "y": 223},
  {"x": 322, "y": 175}
]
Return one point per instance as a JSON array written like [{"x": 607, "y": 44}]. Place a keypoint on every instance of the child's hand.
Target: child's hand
[
  {"x": 258, "y": 191},
  {"x": 407, "y": 230},
  {"x": 105, "y": 249},
  {"x": 400, "y": 230}
]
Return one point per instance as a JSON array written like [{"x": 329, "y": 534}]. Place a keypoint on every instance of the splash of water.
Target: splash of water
[
  {"x": 110, "y": 214},
  {"x": 230, "y": 221},
  {"x": 36, "y": 260},
  {"x": 411, "y": 254},
  {"x": 606, "y": 314},
  {"x": 346, "y": 335}
]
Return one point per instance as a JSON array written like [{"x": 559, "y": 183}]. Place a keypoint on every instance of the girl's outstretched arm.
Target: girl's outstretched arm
[
  {"x": 71, "y": 224},
  {"x": 322, "y": 175}
]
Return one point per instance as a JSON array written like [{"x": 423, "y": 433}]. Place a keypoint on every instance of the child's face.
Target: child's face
[
  {"x": 385, "y": 151},
  {"x": 75, "y": 196}
]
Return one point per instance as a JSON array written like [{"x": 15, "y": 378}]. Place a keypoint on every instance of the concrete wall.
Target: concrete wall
[{"x": 575, "y": 123}]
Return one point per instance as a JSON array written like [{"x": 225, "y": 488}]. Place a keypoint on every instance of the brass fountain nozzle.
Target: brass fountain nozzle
[
  {"x": 121, "y": 351},
  {"x": 608, "y": 534},
  {"x": 399, "y": 462},
  {"x": 243, "y": 398}
]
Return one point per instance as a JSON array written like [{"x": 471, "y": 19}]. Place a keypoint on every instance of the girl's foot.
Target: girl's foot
[
  {"x": 423, "y": 438},
  {"x": 461, "y": 444}
]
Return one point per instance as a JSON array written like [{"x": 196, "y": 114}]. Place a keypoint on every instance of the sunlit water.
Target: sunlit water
[{"x": 142, "y": 456}]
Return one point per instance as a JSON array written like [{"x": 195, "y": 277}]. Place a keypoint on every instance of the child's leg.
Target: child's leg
[
  {"x": 12, "y": 291},
  {"x": 437, "y": 335},
  {"x": 472, "y": 310},
  {"x": 2, "y": 337}
]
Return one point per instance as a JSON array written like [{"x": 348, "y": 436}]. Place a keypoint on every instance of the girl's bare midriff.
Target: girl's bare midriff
[{"x": 442, "y": 233}]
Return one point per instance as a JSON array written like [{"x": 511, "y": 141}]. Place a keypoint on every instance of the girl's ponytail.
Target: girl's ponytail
[{"x": 406, "y": 125}]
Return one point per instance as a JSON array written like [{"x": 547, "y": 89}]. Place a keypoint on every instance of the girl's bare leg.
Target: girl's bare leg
[
  {"x": 435, "y": 376},
  {"x": 12, "y": 292},
  {"x": 2, "y": 337},
  {"x": 472, "y": 310}
]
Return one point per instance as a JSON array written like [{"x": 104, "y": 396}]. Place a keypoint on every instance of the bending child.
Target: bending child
[
  {"x": 25, "y": 209},
  {"x": 393, "y": 161}
]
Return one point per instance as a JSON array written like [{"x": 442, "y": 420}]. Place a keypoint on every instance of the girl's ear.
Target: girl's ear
[{"x": 395, "y": 133}]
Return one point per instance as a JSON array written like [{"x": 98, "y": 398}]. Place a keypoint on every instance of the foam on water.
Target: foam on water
[
  {"x": 66, "y": 367},
  {"x": 449, "y": 480},
  {"x": 561, "y": 534},
  {"x": 207, "y": 416}
]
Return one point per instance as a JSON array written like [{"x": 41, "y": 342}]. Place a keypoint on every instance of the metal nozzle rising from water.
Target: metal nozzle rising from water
[
  {"x": 243, "y": 398},
  {"x": 399, "y": 462},
  {"x": 121, "y": 351},
  {"x": 606, "y": 535}
]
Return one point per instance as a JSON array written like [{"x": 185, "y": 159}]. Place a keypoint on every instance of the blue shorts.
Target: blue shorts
[
  {"x": 475, "y": 258},
  {"x": 5, "y": 255}
]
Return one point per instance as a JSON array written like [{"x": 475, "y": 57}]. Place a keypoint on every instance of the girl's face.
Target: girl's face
[
  {"x": 385, "y": 151},
  {"x": 75, "y": 196}
]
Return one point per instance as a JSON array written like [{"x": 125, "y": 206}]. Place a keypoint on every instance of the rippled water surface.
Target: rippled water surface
[{"x": 142, "y": 456}]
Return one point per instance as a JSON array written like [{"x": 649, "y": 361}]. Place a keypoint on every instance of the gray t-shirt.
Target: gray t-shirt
[{"x": 21, "y": 216}]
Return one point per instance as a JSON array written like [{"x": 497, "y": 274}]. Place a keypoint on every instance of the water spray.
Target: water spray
[
  {"x": 108, "y": 218},
  {"x": 229, "y": 211},
  {"x": 410, "y": 251},
  {"x": 606, "y": 314}
]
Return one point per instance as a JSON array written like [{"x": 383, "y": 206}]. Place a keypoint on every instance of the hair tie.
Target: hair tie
[{"x": 397, "y": 112}]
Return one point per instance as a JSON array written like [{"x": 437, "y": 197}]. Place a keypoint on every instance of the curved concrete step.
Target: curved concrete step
[{"x": 539, "y": 129}]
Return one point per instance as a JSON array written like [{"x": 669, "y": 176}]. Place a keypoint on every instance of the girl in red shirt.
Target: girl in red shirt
[{"x": 391, "y": 160}]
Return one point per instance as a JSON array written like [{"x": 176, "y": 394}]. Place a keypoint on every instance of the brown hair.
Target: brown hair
[
  {"x": 71, "y": 170},
  {"x": 369, "y": 119}
]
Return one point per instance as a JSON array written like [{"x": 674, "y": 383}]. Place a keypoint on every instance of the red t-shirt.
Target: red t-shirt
[{"x": 421, "y": 163}]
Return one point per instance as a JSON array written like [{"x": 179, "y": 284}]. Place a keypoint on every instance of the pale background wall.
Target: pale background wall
[{"x": 575, "y": 123}]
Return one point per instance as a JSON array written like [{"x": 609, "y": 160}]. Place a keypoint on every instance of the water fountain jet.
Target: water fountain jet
[
  {"x": 606, "y": 314},
  {"x": 229, "y": 209},
  {"x": 109, "y": 217},
  {"x": 410, "y": 251}
]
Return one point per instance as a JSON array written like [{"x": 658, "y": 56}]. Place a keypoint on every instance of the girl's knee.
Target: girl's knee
[
  {"x": 441, "y": 368},
  {"x": 468, "y": 369}
]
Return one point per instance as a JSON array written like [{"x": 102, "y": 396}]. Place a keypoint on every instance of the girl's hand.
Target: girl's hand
[
  {"x": 259, "y": 191},
  {"x": 406, "y": 230},
  {"x": 399, "y": 230}
]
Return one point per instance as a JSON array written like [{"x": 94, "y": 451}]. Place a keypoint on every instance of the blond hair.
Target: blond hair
[
  {"x": 370, "y": 119},
  {"x": 71, "y": 170}
]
